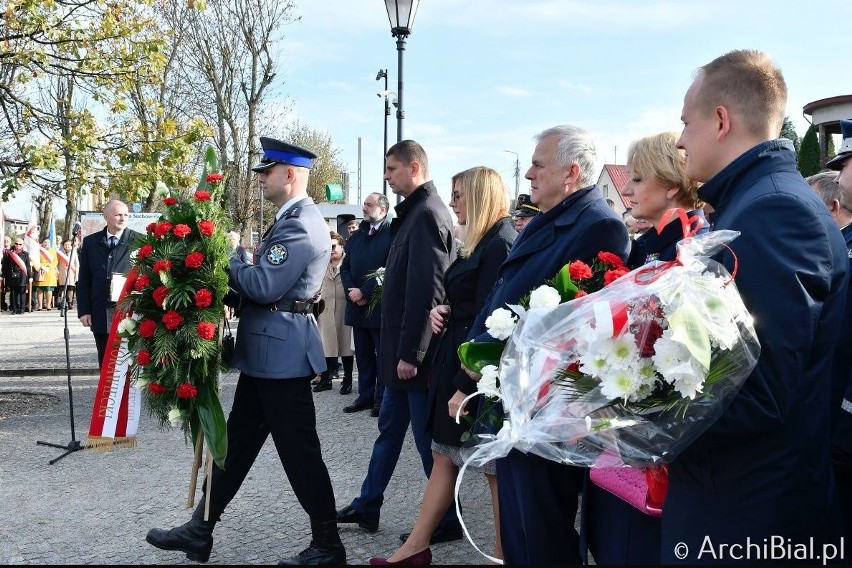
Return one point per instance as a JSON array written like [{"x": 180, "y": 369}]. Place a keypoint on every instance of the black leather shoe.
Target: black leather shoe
[
  {"x": 349, "y": 515},
  {"x": 195, "y": 538},
  {"x": 358, "y": 406},
  {"x": 346, "y": 388},
  {"x": 317, "y": 555},
  {"x": 440, "y": 535},
  {"x": 375, "y": 412},
  {"x": 323, "y": 386}
]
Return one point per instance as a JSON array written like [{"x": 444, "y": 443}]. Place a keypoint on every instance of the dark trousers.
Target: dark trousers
[
  {"x": 285, "y": 409},
  {"x": 18, "y": 298},
  {"x": 538, "y": 510},
  {"x": 101, "y": 343},
  {"x": 366, "y": 341}
]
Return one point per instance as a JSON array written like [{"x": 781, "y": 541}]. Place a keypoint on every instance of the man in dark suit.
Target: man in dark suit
[
  {"x": 278, "y": 351},
  {"x": 762, "y": 471},
  {"x": 17, "y": 274},
  {"x": 366, "y": 250},
  {"x": 421, "y": 249},
  {"x": 102, "y": 256},
  {"x": 538, "y": 497}
]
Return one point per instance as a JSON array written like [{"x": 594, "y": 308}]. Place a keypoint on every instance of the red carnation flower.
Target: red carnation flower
[
  {"x": 170, "y": 200},
  {"x": 181, "y": 230},
  {"x": 143, "y": 357},
  {"x": 147, "y": 328},
  {"x": 131, "y": 282},
  {"x": 150, "y": 227},
  {"x": 172, "y": 320},
  {"x": 194, "y": 260},
  {"x": 156, "y": 388},
  {"x": 162, "y": 228},
  {"x": 214, "y": 177},
  {"x": 163, "y": 266},
  {"x": 141, "y": 283},
  {"x": 203, "y": 298},
  {"x": 610, "y": 259},
  {"x": 648, "y": 334},
  {"x": 186, "y": 390},
  {"x": 611, "y": 276},
  {"x": 575, "y": 367},
  {"x": 145, "y": 250},
  {"x": 206, "y": 330},
  {"x": 160, "y": 295},
  {"x": 202, "y": 195},
  {"x": 206, "y": 228},
  {"x": 579, "y": 270}
]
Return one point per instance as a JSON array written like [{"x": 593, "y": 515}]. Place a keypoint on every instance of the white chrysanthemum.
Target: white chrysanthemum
[
  {"x": 544, "y": 297},
  {"x": 623, "y": 350},
  {"x": 592, "y": 363},
  {"x": 175, "y": 416},
  {"x": 380, "y": 275},
  {"x": 500, "y": 324},
  {"x": 619, "y": 383},
  {"x": 127, "y": 326},
  {"x": 687, "y": 379},
  {"x": 646, "y": 378},
  {"x": 669, "y": 354},
  {"x": 488, "y": 383}
]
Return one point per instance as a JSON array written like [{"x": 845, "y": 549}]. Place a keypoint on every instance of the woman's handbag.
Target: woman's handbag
[{"x": 228, "y": 344}]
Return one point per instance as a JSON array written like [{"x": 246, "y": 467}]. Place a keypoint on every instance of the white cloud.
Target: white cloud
[{"x": 511, "y": 91}]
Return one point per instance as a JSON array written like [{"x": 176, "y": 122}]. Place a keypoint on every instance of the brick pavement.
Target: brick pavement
[{"x": 95, "y": 508}]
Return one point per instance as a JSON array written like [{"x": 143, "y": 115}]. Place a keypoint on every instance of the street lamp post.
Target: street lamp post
[
  {"x": 383, "y": 74},
  {"x": 401, "y": 16},
  {"x": 517, "y": 172}
]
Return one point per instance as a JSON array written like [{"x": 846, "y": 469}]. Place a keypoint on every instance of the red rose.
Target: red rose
[
  {"x": 160, "y": 295},
  {"x": 214, "y": 177},
  {"x": 162, "y": 228},
  {"x": 206, "y": 228},
  {"x": 610, "y": 259},
  {"x": 170, "y": 200},
  {"x": 182, "y": 230},
  {"x": 172, "y": 320},
  {"x": 147, "y": 328},
  {"x": 194, "y": 260},
  {"x": 579, "y": 270},
  {"x": 202, "y": 195},
  {"x": 150, "y": 227},
  {"x": 163, "y": 266},
  {"x": 156, "y": 388},
  {"x": 206, "y": 330},
  {"x": 611, "y": 276},
  {"x": 203, "y": 298},
  {"x": 648, "y": 334},
  {"x": 574, "y": 367},
  {"x": 141, "y": 283},
  {"x": 145, "y": 251},
  {"x": 143, "y": 357},
  {"x": 186, "y": 390}
]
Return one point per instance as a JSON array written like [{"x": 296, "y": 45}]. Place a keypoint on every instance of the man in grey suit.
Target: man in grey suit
[{"x": 278, "y": 352}]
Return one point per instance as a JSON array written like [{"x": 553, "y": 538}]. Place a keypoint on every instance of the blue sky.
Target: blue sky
[{"x": 484, "y": 76}]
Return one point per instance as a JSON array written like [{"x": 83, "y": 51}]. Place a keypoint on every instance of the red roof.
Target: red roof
[{"x": 618, "y": 175}]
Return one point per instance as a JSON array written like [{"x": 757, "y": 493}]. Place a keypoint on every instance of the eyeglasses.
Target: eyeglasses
[
  {"x": 335, "y": 247},
  {"x": 19, "y": 244}
]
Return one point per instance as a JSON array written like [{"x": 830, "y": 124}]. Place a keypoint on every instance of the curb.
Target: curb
[{"x": 52, "y": 372}]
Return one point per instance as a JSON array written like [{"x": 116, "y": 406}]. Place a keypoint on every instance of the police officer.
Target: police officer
[
  {"x": 524, "y": 212},
  {"x": 279, "y": 351}
]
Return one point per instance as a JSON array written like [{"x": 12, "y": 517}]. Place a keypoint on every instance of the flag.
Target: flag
[
  {"x": 3, "y": 231},
  {"x": 31, "y": 242},
  {"x": 51, "y": 233}
]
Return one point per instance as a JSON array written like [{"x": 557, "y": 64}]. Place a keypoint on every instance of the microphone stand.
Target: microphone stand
[{"x": 74, "y": 445}]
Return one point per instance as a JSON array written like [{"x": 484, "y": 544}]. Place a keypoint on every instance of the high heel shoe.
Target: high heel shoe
[{"x": 422, "y": 558}]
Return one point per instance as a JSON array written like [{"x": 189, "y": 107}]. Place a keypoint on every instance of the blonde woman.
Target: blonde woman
[
  {"x": 481, "y": 205},
  {"x": 336, "y": 336}
]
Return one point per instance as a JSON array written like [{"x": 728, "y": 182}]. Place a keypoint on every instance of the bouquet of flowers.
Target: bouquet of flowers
[
  {"x": 173, "y": 312},
  {"x": 376, "y": 297},
  {"x": 636, "y": 370}
]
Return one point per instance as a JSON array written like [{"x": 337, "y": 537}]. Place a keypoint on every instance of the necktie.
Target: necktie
[
  {"x": 372, "y": 231},
  {"x": 112, "y": 241}
]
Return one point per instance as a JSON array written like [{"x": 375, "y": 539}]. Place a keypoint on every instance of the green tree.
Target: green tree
[
  {"x": 809, "y": 162},
  {"x": 788, "y": 131},
  {"x": 327, "y": 168}
]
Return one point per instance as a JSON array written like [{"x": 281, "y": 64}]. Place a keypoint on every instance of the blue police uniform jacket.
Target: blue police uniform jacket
[
  {"x": 843, "y": 362},
  {"x": 579, "y": 227},
  {"x": 763, "y": 468},
  {"x": 290, "y": 264},
  {"x": 364, "y": 254}
]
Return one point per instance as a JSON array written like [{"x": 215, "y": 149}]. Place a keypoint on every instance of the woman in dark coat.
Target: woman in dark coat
[
  {"x": 480, "y": 202},
  {"x": 614, "y": 531}
]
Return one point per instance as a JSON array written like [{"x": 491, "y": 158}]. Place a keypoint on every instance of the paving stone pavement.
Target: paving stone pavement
[{"x": 95, "y": 508}]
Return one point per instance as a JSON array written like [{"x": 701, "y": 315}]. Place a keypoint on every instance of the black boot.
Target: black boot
[
  {"x": 195, "y": 537},
  {"x": 326, "y": 549},
  {"x": 346, "y": 386},
  {"x": 325, "y": 383}
]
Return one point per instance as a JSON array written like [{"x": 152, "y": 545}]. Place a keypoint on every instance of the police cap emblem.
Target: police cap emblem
[{"x": 277, "y": 254}]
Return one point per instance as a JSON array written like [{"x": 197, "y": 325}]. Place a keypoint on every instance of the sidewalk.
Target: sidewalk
[{"x": 95, "y": 508}]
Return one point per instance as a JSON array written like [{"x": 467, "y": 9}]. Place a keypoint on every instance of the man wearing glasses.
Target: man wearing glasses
[{"x": 17, "y": 273}]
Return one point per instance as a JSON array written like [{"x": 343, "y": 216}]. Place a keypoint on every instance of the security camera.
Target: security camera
[{"x": 382, "y": 74}]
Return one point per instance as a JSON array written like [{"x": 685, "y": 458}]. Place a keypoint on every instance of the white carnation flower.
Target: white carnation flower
[
  {"x": 488, "y": 382},
  {"x": 544, "y": 297},
  {"x": 175, "y": 416},
  {"x": 500, "y": 324}
]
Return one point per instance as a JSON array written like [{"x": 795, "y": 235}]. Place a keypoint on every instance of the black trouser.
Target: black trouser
[
  {"x": 101, "y": 343},
  {"x": 285, "y": 409},
  {"x": 18, "y": 298}
]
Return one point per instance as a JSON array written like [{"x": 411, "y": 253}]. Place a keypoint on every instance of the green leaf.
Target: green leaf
[
  {"x": 476, "y": 355},
  {"x": 564, "y": 285},
  {"x": 213, "y": 423}
]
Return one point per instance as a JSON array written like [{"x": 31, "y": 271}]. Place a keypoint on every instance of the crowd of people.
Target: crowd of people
[
  {"x": 37, "y": 282},
  {"x": 777, "y": 464}
]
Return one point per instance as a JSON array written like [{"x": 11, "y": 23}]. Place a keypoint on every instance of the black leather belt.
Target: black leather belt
[{"x": 292, "y": 306}]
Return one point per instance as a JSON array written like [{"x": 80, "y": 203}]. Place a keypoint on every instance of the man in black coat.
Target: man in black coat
[
  {"x": 102, "y": 255},
  {"x": 421, "y": 249},
  {"x": 366, "y": 250},
  {"x": 17, "y": 274}
]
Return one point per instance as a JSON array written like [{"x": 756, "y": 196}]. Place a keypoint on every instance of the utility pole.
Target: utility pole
[{"x": 517, "y": 172}]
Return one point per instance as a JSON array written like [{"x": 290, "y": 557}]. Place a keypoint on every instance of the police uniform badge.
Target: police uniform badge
[{"x": 277, "y": 254}]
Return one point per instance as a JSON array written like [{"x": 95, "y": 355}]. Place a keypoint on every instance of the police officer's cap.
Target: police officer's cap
[
  {"x": 524, "y": 207},
  {"x": 278, "y": 152},
  {"x": 845, "y": 151}
]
